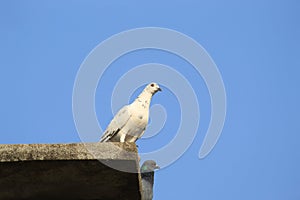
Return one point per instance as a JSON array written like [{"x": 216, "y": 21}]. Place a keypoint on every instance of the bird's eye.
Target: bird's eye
[{"x": 152, "y": 85}]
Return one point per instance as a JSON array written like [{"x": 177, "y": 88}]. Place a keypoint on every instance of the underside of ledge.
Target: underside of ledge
[{"x": 69, "y": 171}]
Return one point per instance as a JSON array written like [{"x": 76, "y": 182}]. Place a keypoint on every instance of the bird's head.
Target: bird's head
[
  {"x": 152, "y": 88},
  {"x": 149, "y": 166}
]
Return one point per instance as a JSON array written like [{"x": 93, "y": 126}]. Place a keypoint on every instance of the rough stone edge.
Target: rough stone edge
[{"x": 71, "y": 151}]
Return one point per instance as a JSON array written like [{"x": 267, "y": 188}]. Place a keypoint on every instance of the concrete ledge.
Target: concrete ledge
[{"x": 68, "y": 171}]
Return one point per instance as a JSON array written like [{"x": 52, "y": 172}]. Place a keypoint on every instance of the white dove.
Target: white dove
[{"x": 130, "y": 122}]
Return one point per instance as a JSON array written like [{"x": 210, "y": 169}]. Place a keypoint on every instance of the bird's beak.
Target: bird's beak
[
  {"x": 159, "y": 89},
  {"x": 156, "y": 167}
]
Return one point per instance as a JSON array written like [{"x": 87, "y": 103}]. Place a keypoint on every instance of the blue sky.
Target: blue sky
[{"x": 255, "y": 45}]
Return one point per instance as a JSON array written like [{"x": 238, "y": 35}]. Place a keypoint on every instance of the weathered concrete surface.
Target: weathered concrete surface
[{"x": 68, "y": 171}]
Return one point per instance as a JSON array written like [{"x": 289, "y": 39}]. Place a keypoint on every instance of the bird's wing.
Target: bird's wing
[
  {"x": 142, "y": 133},
  {"x": 147, "y": 190},
  {"x": 116, "y": 124}
]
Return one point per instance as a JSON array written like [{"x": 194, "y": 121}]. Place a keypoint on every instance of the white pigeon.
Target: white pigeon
[{"x": 130, "y": 122}]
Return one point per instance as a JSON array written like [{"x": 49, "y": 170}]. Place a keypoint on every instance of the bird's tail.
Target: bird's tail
[{"x": 104, "y": 138}]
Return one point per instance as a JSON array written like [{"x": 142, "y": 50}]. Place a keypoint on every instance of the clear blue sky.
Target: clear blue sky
[{"x": 255, "y": 45}]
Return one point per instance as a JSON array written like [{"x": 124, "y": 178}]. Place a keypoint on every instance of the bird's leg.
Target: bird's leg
[{"x": 122, "y": 138}]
